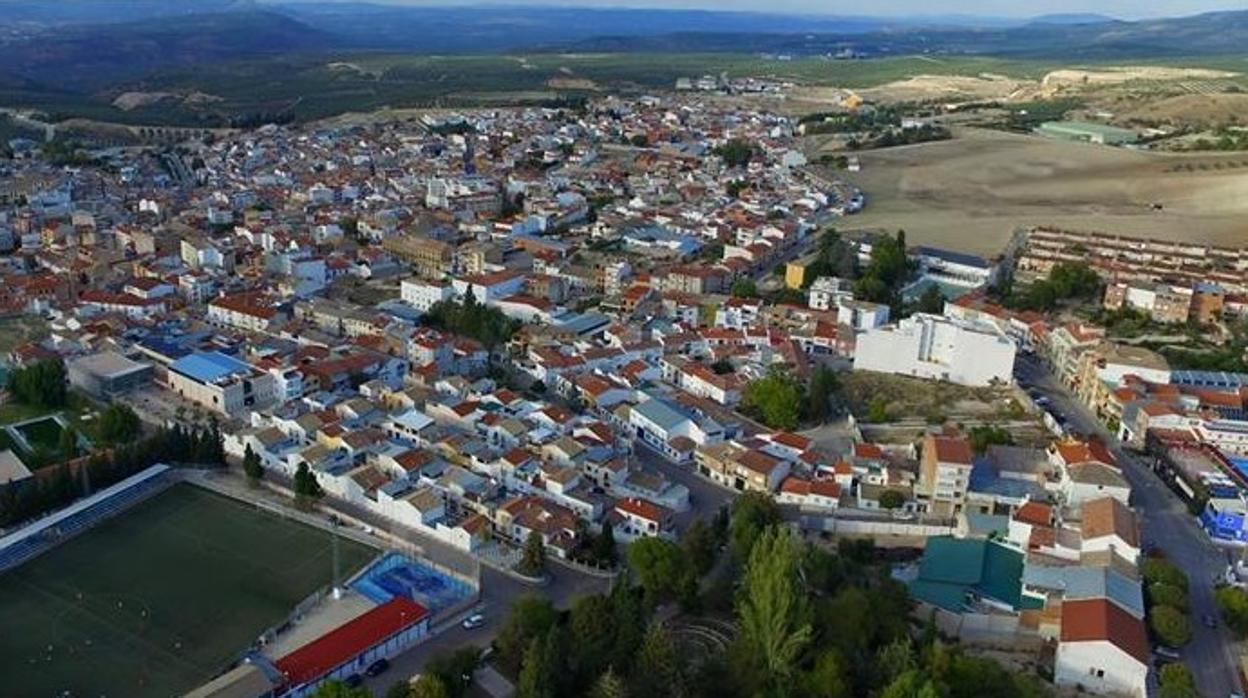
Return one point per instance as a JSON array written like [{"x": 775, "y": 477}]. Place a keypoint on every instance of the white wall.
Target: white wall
[{"x": 1076, "y": 662}]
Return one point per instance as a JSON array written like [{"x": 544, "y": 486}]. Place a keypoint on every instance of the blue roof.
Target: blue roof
[
  {"x": 1209, "y": 379},
  {"x": 1077, "y": 582},
  {"x": 209, "y": 366}
]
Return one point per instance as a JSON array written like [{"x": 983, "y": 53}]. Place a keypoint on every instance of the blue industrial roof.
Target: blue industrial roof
[
  {"x": 1209, "y": 379},
  {"x": 208, "y": 366}
]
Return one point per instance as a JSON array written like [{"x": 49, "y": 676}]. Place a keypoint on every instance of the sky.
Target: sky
[{"x": 1124, "y": 9}]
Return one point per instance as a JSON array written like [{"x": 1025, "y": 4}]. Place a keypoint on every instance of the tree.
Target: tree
[
  {"x": 628, "y": 622},
  {"x": 1233, "y": 602},
  {"x": 824, "y": 384},
  {"x": 42, "y": 384},
  {"x": 932, "y": 301},
  {"x": 1160, "y": 594},
  {"x": 454, "y": 670},
  {"x": 892, "y": 499},
  {"x": 1176, "y": 681},
  {"x": 775, "y": 399},
  {"x": 774, "y": 619},
  {"x": 337, "y": 689},
  {"x": 1158, "y": 570},
  {"x": 592, "y": 637},
  {"x": 983, "y": 436},
  {"x": 660, "y": 566},
  {"x": 752, "y": 513},
  {"x": 531, "y": 616},
  {"x": 744, "y": 288},
  {"x": 536, "y": 675},
  {"x": 659, "y": 671},
  {"x": 428, "y": 686},
  {"x": 604, "y": 545},
  {"x": 735, "y": 153},
  {"x": 251, "y": 466},
  {"x": 1170, "y": 626},
  {"x": 307, "y": 488},
  {"x": 828, "y": 678},
  {"x": 533, "y": 559},
  {"x": 699, "y": 546},
  {"x": 117, "y": 424},
  {"x": 609, "y": 685},
  {"x": 912, "y": 684},
  {"x": 877, "y": 411}
]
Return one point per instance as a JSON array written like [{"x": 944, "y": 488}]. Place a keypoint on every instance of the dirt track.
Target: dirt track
[{"x": 970, "y": 193}]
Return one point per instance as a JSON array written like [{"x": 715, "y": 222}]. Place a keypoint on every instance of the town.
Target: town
[{"x": 509, "y": 351}]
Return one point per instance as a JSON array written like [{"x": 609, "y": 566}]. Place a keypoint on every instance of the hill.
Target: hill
[
  {"x": 90, "y": 57},
  {"x": 1217, "y": 33}
]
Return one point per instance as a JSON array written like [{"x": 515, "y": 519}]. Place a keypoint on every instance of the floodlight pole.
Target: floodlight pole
[{"x": 334, "y": 528}]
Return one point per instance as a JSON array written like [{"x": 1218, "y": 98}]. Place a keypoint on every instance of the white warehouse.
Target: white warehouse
[{"x": 941, "y": 348}]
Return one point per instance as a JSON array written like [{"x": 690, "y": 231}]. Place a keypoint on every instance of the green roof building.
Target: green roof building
[
  {"x": 1088, "y": 132},
  {"x": 956, "y": 574}
]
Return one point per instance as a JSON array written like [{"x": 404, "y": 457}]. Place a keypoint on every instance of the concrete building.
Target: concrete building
[
  {"x": 221, "y": 383},
  {"x": 940, "y": 348},
  {"x": 944, "y": 474},
  {"x": 423, "y": 294},
  {"x": 108, "y": 374},
  {"x": 1164, "y": 303},
  {"x": 827, "y": 292}
]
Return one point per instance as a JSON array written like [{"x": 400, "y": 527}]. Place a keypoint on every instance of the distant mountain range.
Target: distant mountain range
[{"x": 89, "y": 47}]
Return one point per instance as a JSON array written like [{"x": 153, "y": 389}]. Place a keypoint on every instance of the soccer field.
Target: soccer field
[{"x": 154, "y": 601}]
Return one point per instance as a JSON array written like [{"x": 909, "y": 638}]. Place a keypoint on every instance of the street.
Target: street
[
  {"x": 705, "y": 497},
  {"x": 498, "y": 590},
  {"x": 1169, "y": 526}
]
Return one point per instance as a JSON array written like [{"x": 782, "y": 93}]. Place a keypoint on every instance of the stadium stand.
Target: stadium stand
[{"x": 44, "y": 534}]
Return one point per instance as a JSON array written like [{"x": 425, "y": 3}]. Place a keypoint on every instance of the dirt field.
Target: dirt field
[
  {"x": 1190, "y": 110},
  {"x": 971, "y": 192},
  {"x": 952, "y": 88}
]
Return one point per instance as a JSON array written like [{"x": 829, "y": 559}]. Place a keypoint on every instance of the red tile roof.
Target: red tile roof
[
  {"x": 642, "y": 509},
  {"x": 951, "y": 449},
  {"x": 1034, "y": 513},
  {"x": 1096, "y": 620},
  {"x": 345, "y": 642}
]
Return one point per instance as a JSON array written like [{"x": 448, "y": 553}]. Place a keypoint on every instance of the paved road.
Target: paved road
[
  {"x": 498, "y": 590},
  {"x": 705, "y": 497},
  {"x": 1168, "y": 525}
]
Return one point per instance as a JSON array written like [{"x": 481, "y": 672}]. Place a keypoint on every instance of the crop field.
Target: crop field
[
  {"x": 970, "y": 193},
  {"x": 157, "y": 600}
]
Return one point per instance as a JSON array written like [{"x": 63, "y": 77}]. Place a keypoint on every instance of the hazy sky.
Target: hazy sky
[{"x": 1126, "y": 9}]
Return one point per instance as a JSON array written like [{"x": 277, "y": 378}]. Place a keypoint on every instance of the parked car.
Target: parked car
[
  {"x": 377, "y": 667},
  {"x": 474, "y": 621},
  {"x": 1168, "y": 653},
  {"x": 1209, "y": 621},
  {"x": 354, "y": 681}
]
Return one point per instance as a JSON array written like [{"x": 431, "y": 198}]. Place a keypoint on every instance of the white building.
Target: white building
[
  {"x": 1103, "y": 649},
  {"x": 221, "y": 383},
  {"x": 423, "y": 294},
  {"x": 931, "y": 346},
  {"x": 827, "y": 292},
  {"x": 492, "y": 286},
  {"x": 861, "y": 315}
]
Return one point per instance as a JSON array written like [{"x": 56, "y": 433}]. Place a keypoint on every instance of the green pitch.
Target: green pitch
[{"x": 155, "y": 601}]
